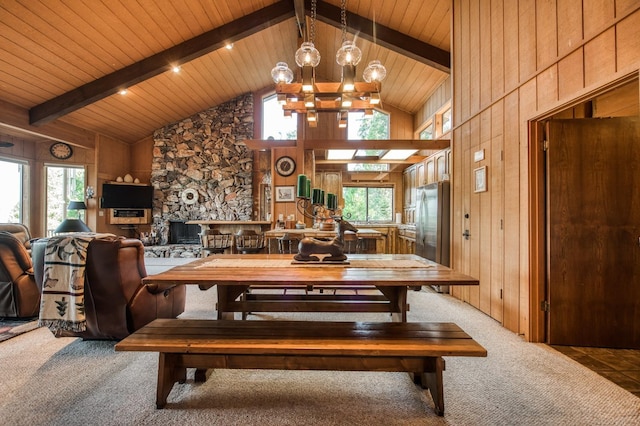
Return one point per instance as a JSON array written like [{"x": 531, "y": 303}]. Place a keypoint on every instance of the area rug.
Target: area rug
[{"x": 13, "y": 328}]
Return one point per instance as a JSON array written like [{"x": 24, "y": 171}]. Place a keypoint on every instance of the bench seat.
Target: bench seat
[{"x": 416, "y": 348}]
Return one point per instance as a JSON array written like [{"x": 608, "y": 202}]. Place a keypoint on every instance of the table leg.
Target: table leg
[{"x": 397, "y": 296}]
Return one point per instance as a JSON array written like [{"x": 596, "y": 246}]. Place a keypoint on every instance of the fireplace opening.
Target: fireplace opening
[{"x": 182, "y": 233}]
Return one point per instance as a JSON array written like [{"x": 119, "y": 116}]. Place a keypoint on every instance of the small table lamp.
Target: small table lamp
[{"x": 74, "y": 225}]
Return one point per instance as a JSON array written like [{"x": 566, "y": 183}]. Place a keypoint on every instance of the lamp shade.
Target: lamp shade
[
  {"x": 72, "y": 225},
  {"x": 76, "y": 205}
]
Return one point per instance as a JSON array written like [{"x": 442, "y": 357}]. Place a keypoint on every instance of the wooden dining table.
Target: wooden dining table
[{"x": 364, "y": 283}]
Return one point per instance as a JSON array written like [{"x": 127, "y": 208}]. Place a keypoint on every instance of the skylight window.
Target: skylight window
[{"x": 399, "y": 154}]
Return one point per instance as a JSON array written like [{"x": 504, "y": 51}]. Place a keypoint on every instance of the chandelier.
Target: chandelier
[{"x": 311, "y": 97}]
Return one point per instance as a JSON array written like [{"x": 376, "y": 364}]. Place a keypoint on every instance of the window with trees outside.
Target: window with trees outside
[
  {"x": 274, "y": 124},
  {"x": 64, "y": 184},
  {"x": 368, "y": 203},
  {"x": 12, "y": 175}
]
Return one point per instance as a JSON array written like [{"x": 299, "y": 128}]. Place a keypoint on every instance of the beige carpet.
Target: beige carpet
[{"x": 66, "y": 381}]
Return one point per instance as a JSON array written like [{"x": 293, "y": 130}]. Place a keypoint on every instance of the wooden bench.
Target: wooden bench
[{"x": 416, "y": 348}]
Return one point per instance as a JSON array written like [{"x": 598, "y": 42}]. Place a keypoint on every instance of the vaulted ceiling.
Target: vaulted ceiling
[{"x": 65, "y": 61}]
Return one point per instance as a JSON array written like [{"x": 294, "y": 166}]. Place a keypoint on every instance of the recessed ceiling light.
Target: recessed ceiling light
[
  {"x": 228, "y": 46},
  {"x": 176, "y": 69},
  {"x": 123, "y": 92}
]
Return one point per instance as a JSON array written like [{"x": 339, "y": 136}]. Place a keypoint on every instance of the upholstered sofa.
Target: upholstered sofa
[
  {"x": 19, "y": 292},
  {"x": 116, "y": 302}
]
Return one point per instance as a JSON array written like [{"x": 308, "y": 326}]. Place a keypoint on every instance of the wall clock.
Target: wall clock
[
  {"x": 285, "y": 166},
  {"x": 61, "y": 150}
]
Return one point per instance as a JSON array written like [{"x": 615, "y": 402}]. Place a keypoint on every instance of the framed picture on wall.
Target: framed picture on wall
[
  {"x": 285, "y": 194},
  {"x": 480, "y": 179}
]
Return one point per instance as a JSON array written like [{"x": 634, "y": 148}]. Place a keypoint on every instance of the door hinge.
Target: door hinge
[
  {"x": 545, "y": 145},
  {"x": 544, "y": 306}
]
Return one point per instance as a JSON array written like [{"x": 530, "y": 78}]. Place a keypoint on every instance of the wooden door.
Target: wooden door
[{"x": 593, "y": 205}]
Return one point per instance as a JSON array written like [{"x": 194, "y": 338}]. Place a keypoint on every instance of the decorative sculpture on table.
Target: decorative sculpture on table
[{"x": 309, "y": 247}]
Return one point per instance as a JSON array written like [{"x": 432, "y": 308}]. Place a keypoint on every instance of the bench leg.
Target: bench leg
[
  {"x": 168, "y": 374},
  {"x": 431, "y": 379}
]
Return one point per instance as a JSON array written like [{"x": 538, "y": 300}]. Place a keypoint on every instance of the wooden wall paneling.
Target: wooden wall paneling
[
  {"x": 547, "y": 82},
  {"x": 485, "y": 213},
  {"x": 496, "y": 189},
  {"x": 527, "y": 108},
  {"x": 571, "y": 74},
  {"x": 597, "y": 14},
  {"x": 475, "y": 215},
  {"x": 569, "y": 22},
  {"x": 475, "y": 32},
  {"x": 512, "y": 214},
  {"x": 400, "y": 123},
  {"x": 286, "y": 208},
  {"x": 141, "y": 159},
  {"x": 511, "y": 45},
  {"x": 485, "y": 232},
  {"x": 527, "y": 39},
  {"x": 466, "y": 68},
  {"x": 485, "y": 37},
  {"x": 497, "y": 49},
  {"x": 457, "y": 71},
  {"x": 622, "y": 102},
  {"x": 625, "y": 6},
  {"x": 628, "y": 42},
  {"x": 600, "y": 58},
  {"x": 457, "y": 213},
  {"x": 546, "y": 33}
]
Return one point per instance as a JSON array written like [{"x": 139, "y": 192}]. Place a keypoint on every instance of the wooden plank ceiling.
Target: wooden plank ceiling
[{"x": 63, "y": 61}]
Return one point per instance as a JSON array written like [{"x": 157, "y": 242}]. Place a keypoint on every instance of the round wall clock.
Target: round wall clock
[
  {"x": 61, "y": 150},
  {"x": 285, "y": 166}
]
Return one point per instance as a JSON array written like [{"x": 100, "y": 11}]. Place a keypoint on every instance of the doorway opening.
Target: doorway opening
[{"x": 572, "y": 280}]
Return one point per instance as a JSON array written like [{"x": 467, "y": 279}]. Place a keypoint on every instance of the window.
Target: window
[
  {"x": 446, "y": 121},
  {"x": 64, "y": 184},
  {"x": 427, "y": 133},
  {"x": 368, "y": 204},
  {"x": 367, "y": 167},
  {"x": 360, "y": 126},
  {"x": 274, "y": 124},
  {"x": 12, "y": 175}
]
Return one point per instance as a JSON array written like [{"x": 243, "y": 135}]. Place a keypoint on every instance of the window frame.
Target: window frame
[{"x": 390, "y": 186}]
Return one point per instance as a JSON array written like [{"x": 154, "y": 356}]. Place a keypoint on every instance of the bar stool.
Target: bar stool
[
  {"x": 352, "y": 243},
  {"x": 249, "y": 241},
  {"x": 215, "y": 242},
  {"x": 288, "y": 243}
]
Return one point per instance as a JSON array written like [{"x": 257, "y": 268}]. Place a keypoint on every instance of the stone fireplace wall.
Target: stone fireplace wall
[{"x": 201, "y": 168}]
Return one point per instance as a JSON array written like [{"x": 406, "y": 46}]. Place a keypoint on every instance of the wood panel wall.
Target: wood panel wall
[{"x": 514, "y": 62}]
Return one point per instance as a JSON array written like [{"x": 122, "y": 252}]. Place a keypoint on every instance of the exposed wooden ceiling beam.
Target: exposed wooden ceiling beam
[
  {"x": 420, "y": 144},
  {"x": 161, "y": 62},
  {"x": 385, "y": 36},
  {"x": 298, "y": 5}
]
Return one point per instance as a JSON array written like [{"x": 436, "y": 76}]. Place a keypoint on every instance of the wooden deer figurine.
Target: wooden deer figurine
[{"x": 335, "y": 248}]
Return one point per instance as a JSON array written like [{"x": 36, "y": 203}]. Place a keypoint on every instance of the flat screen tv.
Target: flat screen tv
[{"x": 123, "y": 196}]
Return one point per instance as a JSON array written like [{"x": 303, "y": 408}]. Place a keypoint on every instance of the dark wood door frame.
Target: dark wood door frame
[{"x": 537, "y": 210}]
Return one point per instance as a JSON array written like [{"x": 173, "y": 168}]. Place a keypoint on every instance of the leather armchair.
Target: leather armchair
[
  {"x": 19, "y": 292},
  {"x": 20, "y": 231},
  {"x": 116, "y": 301}
]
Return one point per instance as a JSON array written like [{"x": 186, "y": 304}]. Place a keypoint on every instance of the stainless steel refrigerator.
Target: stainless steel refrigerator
[{"x": 433, "y": 224}]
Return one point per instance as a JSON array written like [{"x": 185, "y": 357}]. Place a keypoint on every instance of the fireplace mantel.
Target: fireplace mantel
[{"x": 231, "y": 226}]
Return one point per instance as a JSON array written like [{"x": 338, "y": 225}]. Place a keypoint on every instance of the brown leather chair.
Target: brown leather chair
[
  {"x": 20, "y": 231},
  {"x": 19, "y": 292},
  {"x": 116, "y": 301}
]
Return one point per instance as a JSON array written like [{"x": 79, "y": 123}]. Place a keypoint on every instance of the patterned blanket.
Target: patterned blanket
[{"x": 62, "y": 302}]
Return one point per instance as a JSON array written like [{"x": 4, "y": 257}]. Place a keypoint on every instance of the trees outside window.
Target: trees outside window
[
  {"x": 368, "y": 204},
  {"x": 274, "y": 124},
  {"x": 12, "y": 176},
  {"x": 64, "y": 184}
]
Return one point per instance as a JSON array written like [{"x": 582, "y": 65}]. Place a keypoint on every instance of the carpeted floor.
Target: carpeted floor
[
  {"x": 10, "y": 328},
  {"x": 66, "y": 381}
]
